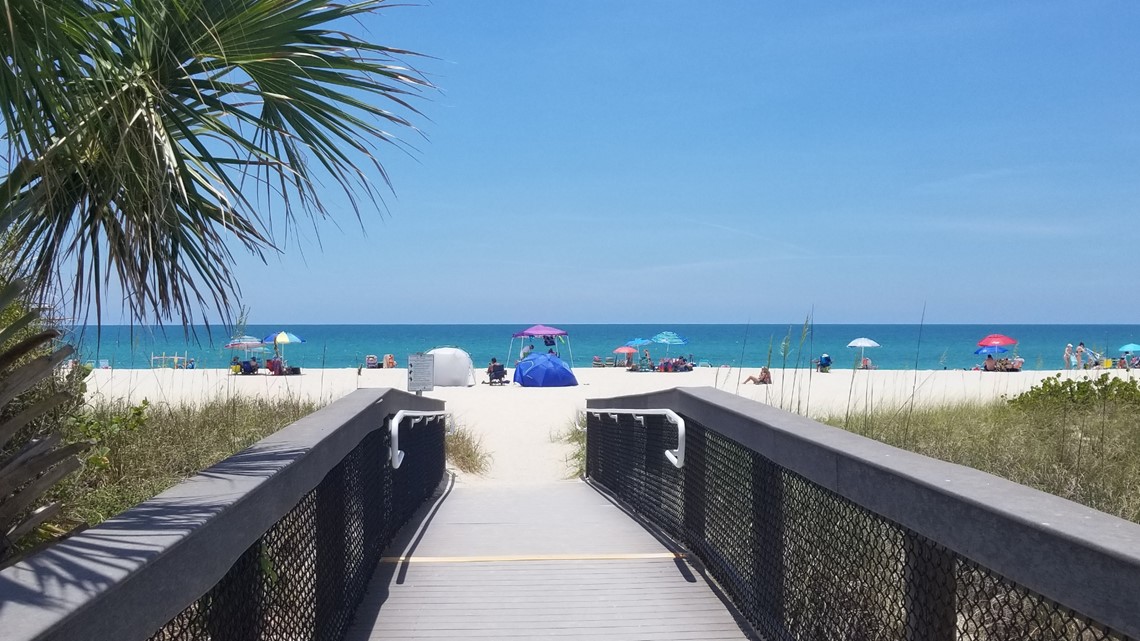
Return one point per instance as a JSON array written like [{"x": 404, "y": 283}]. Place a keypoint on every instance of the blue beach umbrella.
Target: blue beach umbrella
[
  {"x": 638, "y": 343},
  {"x": 991, "y": 349},
  {"x": 1131, "y": 347}
]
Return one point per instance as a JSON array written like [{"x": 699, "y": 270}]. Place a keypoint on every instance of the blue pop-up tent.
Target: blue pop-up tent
[{"x": 544, "y": 370}]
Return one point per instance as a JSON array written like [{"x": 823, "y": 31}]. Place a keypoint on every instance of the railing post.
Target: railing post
[
  {"x": 694, "y": 499},
  {"x": 768, "y": 546},
  {"x": 929, "y": 590}
]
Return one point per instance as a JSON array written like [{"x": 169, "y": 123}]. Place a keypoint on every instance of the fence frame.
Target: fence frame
[
  {"x": 130, "y": 575},
  {"x": 1083, "y": 559}
]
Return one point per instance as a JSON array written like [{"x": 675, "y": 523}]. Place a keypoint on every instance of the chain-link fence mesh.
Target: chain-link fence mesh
[
  {"x": 800, "y": 561},
  {"x": 304, "y": 577}
]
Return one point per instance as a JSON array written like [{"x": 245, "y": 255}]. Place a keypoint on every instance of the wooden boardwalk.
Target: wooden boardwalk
[{"x": 557, "y": 560}]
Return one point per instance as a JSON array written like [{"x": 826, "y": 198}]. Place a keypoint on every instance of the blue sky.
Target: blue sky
[{"x": 725, "y": 162}]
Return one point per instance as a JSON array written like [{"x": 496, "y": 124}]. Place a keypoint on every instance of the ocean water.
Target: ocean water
[{"x": 903, "y": 346}]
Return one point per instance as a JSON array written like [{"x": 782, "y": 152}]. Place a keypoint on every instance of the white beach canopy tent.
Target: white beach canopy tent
[
  {"x": 453, "y": 367},
  {"x": 549, "y": 335}
]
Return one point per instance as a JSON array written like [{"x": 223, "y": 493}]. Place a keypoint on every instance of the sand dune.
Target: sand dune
[{"x": 517, "y": 424}]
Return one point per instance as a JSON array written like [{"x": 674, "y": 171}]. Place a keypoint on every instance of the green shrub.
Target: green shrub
[
  {"x": 1080, "y": 394},
  {"x": 141, "y": 450}
]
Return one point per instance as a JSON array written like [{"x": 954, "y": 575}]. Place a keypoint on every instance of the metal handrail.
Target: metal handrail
[
  {"x": 677, "y": 456},
  {"x": 395, "y": 456}
]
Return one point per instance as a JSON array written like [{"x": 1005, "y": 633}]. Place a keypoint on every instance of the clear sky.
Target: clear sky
[{"x": 722, "y": 162}]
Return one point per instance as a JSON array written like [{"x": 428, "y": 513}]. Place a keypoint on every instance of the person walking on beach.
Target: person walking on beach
[
  {"x": 1069, "y": 356},
  {"x": 1080, "y": 354}
]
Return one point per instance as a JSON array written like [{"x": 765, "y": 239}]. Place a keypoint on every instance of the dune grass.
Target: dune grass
[
  {"x": 465, "y": 449},
  {"x": 144, "y": 449},
  {"x": 1075, "y": 439},
  {"x": 574, "y": 435}
]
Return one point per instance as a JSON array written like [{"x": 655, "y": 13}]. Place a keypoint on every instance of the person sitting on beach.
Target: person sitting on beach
[
  {"x": 866, "y": 364},
  {"x": 491, "y": 365},
  {"x": 253, "y": 364},
  {"x": 990, "y": 365},
  {"x": 389, "y": 361},
  {"x": 235, "y": 365},
  {"x": 764, "y": 378},
  {"x": 823, "y": 364},
  {"x": 526, "y": 351},
  {"x": 1018, "y": 363}
]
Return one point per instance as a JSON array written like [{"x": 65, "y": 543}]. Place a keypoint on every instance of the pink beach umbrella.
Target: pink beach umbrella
[{"x": 996, "y": 340}]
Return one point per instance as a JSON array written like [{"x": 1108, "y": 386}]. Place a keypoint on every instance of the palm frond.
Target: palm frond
[{"x": 182, "y": 104}]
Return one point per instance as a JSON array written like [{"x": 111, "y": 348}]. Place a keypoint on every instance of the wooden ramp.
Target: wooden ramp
[{"x": 556, "y": 560}]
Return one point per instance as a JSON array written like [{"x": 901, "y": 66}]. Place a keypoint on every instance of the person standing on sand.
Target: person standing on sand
[
  {"x": 1069, "y": 356},
  {"x": 1080, "y": 354}
]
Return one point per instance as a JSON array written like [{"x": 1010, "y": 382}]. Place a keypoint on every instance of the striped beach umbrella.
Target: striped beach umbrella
[
  {"x": 281, "y": 338},
  {"x": 669, "y": 338}
]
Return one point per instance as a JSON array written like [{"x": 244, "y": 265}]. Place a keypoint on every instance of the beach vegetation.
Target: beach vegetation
[
  {"x": 141, "y": 450},
  {"x": 1072, "y": 438},
  {"x": 465, "y": 449},
  {"x": 35, "y": 396},
  {"x": 574, "y": 435},
  {"x": 136, "y": 129}
]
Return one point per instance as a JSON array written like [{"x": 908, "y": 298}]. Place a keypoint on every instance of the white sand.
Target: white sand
[{"x": 518, "y": 424}]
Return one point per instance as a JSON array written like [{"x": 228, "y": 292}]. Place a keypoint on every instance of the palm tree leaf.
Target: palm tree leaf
[
  {"x": 28, "y": 375},
  {"x": 22, "y": 500},
  {"x": 127, "y": 181},
  {"x": 41, "y": 455},
  {"x": 18, "y": 422},
  {"x": 35, "y": 518}
]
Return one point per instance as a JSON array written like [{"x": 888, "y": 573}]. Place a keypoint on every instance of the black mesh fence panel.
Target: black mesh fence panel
[
  {"x": 800, "y": 561},
  {"x": 304, "y": 577}
]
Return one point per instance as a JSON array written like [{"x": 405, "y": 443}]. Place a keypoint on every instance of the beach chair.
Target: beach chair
[
  {"x": 371, "y": 362},
  {"x": 247, "y": 368},
  {"x": 610, "y": 361},
  {"x": 498, "y": 375},
  {"x": 598, "y": 362}
]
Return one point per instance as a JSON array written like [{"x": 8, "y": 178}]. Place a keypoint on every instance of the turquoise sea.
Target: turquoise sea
[{"x": 903, "y": 346}]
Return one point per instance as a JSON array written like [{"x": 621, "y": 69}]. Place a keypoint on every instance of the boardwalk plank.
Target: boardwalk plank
[{"x": 639, "y": 591}]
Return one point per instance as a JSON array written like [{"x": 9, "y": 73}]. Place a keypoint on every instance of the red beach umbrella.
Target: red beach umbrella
[
  {"x": 625, "y": 349},
  {"x": 996, "y": 340}
]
